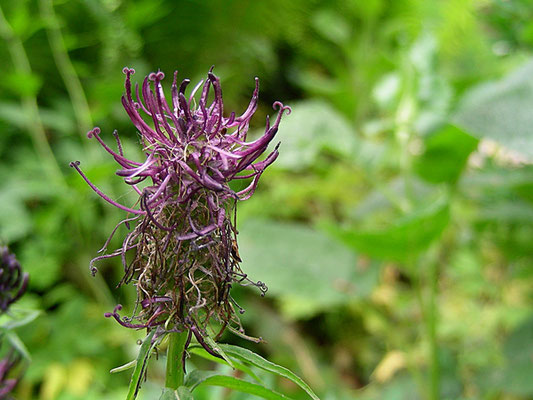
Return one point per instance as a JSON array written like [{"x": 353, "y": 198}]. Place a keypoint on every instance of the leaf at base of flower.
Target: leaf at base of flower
[
  {"x": 211, "y": 378},
  {"x": 258, "y": 361},
  {"x": 142, "y": 360}
]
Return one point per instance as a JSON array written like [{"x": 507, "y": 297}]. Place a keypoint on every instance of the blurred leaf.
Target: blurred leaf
[
  {"x": 13, "y": 113},
  {"x": 503, "y": 194},
  {"x": 501, "y": 111},
  {"x": 22, "y": 84},
  {"x": 196, "y": 378},
  {"x": 446, "y": 155},
  {"x": 307, "y": 270},
  {"x": 15, "y": 221},
  {"x": 332, "y": 26},
  {"x": 17, "y": 344},
  {"x": 258, "y": 361},
  {"x": 312, "y": 127},
  {"x": 403, "y": 238},
  {"x": 518, "y": 373},
  {"x": 18, "y": 318}
]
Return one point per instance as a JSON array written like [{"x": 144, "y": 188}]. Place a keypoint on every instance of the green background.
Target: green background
[{"x": 394, "y": 231}]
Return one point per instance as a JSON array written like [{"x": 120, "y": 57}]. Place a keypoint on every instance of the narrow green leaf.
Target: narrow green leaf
[
  {"x": 197, "y": 378},
  {"x": 20, "y": 318},
  {"x": 142, "y": 359},
  {"x": 15, "y": 341},
  {"x": 124, "y": 367},
  {"x": 260, "y": 362},
  {"x": 200, "y": 351},
  {"x": 214, "y": 345}
]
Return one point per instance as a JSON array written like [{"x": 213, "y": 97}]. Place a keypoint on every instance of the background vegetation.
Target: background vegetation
[{"x": 394, "y": 231}]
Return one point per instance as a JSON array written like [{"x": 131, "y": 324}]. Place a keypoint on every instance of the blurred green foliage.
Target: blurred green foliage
[{"x": 394, "y": 231}]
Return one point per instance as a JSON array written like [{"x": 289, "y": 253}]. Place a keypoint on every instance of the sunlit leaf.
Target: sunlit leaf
[
  {"x": 312, "y": 127},
  {"x": 445, "y": 155},
  {"x": 501, "y": 111},
  {"x": 401, "y": 239}
]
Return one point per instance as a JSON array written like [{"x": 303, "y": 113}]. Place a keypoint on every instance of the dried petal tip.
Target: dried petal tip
[{"x": 93, "y": 132}]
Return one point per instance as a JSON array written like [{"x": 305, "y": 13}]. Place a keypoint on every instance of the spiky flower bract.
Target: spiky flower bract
[{"x": 185, "y": 240}]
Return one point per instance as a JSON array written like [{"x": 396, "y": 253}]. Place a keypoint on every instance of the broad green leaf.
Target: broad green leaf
[
  {"x": 200, "y": 351},
  {"x": 445, "y": 156},
  {"x": 140, "y": 367},
  {"x": 197, "y": 378},
  {"x": 312, "y": 127},
  {"x": 307, "y": 270},
  {"x": 260, "y": 362},
  {"x": 403, "y": 238},
  {"x": 501, "y": 111}
]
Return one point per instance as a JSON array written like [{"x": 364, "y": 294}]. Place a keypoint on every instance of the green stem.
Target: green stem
[
  {"x": 432, "y": 321},
  {"x": 176, "y": 347},
  {"x": 65, "y": 67},
  {"x": 29, "y": 102}
]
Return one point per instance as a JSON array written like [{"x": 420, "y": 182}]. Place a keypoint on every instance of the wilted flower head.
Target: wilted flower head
[
  {"x": 13, "y": 282},
  {"x": 184, "y": 241}
]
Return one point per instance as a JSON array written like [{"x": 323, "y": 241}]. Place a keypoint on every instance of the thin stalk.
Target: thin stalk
[
  {"x": 65, "y": 67},
  {"x": 427, "y": 292},
  {"x": 175, "y": 368},
  {"x": 29, "y": 102},
  {"x": 432, "y": 322}
]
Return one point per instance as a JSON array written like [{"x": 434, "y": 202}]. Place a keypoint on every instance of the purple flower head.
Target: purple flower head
[
  {"x": 13, "y": 282},
  {"x": 184, "y": 240}
]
